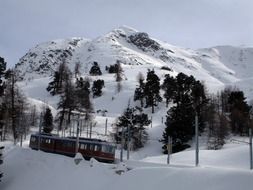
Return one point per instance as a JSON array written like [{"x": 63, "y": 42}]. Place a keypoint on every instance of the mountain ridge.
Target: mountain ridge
[{"x": 217, "y": 66}]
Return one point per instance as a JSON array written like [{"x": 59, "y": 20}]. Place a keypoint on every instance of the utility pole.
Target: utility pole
[
  {"x": 1, "y": 160},
  {"x": 40, "y": 131},
  {"x": 250, "y": 148},
  {"x": 87, "y": 127},
  {"x": 21, "y": 139},
  {"x": 81, "y": 125},
  {"x": 122, "y": 146},
  {"x": 106, "y": 126},
  {"x": 128, "y": 142},
  {"x": 90, "y": 129},
  {"x": 196, "y": 140},
  {"x": 168, "y": 149},
  {"x": 77, "y": 137}
]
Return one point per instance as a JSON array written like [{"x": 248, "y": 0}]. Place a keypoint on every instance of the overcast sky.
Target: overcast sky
[{"x": 185, "y": 23}]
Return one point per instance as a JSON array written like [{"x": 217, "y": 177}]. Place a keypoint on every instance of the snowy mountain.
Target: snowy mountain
[
  {"x": 223, "y": 169},
  {"x": 217, "y": 66}
]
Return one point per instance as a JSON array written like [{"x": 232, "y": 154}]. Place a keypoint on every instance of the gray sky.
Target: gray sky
[{"x": 186, "y": 23}]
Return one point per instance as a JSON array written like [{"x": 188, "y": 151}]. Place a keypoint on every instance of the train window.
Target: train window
[
  {"x": 67, "y": 144},
  {"x": 33, "y": 139},
  {"x": 70, "y": 144},
  {"x": 83, "y": 146},
  {"x": 107, "y": 148},
  {"x": 91, "y": 147},
  {"x": 96, "y": 148},
  {"x": 48, "y": 141}
]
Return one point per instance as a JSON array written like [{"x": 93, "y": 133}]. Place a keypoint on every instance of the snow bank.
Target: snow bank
[{"x": 34, "y": 170}]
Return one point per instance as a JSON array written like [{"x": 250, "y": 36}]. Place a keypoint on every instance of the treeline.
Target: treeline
[{"x": 16, "y": 115}]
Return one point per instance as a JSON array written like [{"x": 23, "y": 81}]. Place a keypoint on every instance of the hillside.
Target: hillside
[{"x": 137, "y": 51}]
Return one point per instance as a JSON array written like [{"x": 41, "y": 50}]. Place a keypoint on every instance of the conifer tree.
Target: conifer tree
[
  {"x": 54, "y": 86},
  {"x": 133, "y": 120},
  {"x": 83, "y": 95},
  {"x": 169, "y": 87},
  {"x": 47, "y": 121},
  {"x": 2, "y": 87},
  {"x": 152, "y": 90},
  {"x": 118, "y": 76},
  {"x": 189, "y": 98},
  {"x": 97, "y": 87},
  {"x": 2, "y": 73},
  {"x": 60, "y": 76},
  {"x": 139, "y": 91},
  {"x": 95, "y": 69},
  {"x": 239, "y": 112}
]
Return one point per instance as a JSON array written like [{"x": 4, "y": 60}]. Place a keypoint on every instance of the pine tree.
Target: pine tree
[
  {"x": 95, "y": 69},
  {"x": 47, "y": 121},
  {"x": 133, "y": 120},
  {"x": 169, "y": 87},
  {"x": 152, "y": 90},
  {"x": 139, "y": 91},
  {"x": 2, "y": 88},
  {"x": 97, "y": 87},
  {"x": 54, "y": 86},
  {"x": 190, "y": 99},
  {"x": 2, "y": 72},
  {"x": 239, "y": 112},
  {"x": 60, "y": 76},
  {"x": 180, "y": 126},
  {"x": 83, "y": 95},
  {"x": 118, "y": 76}
]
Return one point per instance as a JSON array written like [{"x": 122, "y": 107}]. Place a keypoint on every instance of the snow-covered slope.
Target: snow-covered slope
[
  {"x": 217, "y": 66},
  {"x": 29, "y": 169}
]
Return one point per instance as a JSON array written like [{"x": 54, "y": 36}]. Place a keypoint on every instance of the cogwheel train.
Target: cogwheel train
[{"x": 100, "y": 150}]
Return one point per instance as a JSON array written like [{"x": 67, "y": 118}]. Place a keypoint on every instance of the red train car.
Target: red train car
[{"x": 96, "y": 148}]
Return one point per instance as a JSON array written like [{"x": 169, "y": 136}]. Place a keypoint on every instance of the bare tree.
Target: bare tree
[
  {"x": 119, "y": 76},
  {"x": 77, "y": 69},
  {"x": 15, "y": 105}
]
